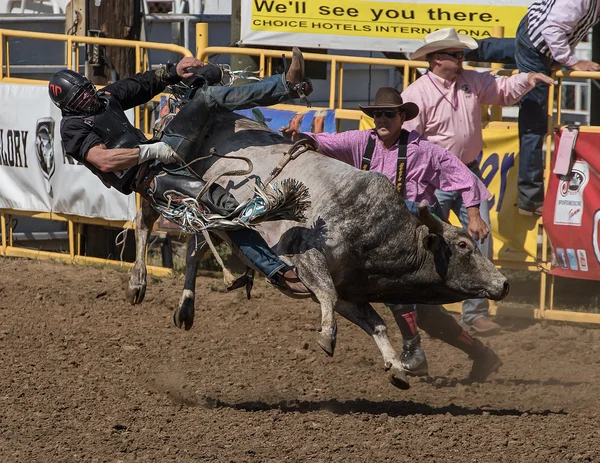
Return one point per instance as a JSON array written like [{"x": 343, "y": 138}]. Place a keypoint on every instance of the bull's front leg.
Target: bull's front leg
[
  {"x": 312, "y": 270},
  {"x": 144, "y": 220},
  {"x": 184, "y": 315},
  {"x": 365, "y": 316}
]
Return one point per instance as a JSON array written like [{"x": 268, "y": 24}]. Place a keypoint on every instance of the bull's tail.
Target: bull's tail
[{"x": 288, "y": 200}]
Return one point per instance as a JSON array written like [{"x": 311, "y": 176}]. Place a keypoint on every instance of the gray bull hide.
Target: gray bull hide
[{"x": 360, "y": 244}]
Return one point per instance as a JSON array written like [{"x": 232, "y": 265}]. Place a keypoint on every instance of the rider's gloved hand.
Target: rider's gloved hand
[
  {"x": 159, "y": 151},
  {"x": 185, "y": 67}
]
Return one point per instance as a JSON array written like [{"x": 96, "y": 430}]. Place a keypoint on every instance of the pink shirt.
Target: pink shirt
[
  {"x": 427, "y": 166},
  {"x": 450, "y": 112}
]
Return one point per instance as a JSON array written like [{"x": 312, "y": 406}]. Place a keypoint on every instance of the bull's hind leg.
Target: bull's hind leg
[
  {"x": 184, "y": 315},
  {"x": 365, "y": 316},
  {"x": 145, "y": 218},
  {"x": 312, "y": 270}
]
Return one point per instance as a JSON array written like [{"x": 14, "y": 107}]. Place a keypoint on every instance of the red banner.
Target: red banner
[{"x": 572, "y": 212}]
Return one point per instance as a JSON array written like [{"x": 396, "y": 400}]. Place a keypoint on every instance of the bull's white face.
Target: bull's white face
[{"x": 467, "y": 271}]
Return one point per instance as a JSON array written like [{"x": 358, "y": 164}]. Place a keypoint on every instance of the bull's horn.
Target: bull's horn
[{"x": 434, "y": 224}]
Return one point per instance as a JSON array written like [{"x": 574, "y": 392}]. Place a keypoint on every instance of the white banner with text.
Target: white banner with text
[{"x": 35, "y": 174}]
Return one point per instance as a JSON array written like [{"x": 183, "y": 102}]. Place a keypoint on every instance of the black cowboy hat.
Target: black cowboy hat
[{"x": 389, "y": 98}]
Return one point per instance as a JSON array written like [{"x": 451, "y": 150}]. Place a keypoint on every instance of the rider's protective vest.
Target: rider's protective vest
[{"x": 115, "y": 130}]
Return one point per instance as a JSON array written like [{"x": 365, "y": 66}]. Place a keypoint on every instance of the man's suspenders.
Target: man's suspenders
[{"x": 400, "y": 166}]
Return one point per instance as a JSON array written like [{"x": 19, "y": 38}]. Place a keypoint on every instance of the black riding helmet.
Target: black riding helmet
[{"x": 73, "y": 93}]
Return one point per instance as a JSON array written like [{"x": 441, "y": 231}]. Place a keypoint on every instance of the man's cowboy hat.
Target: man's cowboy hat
[
  {"x": 443, "y": 39},
  {"x": 389, "y": 98}
]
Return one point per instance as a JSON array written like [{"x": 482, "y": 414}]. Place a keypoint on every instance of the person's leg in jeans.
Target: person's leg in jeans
[
  {"x": 493, "y": 50},
  {"x": 478, "y": 309},
  {"x": 533, "y": 124},
  {"x": 186, "y": 132},
  {"x": 472, "y": 309},
  {"x": 257, "y": 251}
]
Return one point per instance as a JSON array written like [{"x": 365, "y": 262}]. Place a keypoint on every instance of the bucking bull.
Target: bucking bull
[{"x": 359, "y": 245}]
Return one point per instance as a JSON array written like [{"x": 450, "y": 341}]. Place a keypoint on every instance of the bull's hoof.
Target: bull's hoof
[
  {"x": 327, "y": 343},
  {"x": 135, "y": 293},
  {"x": 184, "y": 315},
  {"x": 398, "y": 378}
]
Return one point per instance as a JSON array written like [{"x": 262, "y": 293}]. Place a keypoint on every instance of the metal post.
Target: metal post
[
  {"x": 341, "y": 86},
  {"x": 201, "y": 38},
  {"x": 71, "y": 240},
  {"x": 547, "y": 164},
  {"x": 496, "y": 111},
  {"x": 333, "y": 77},
  {"x": 10, "y": 231},
  {"x": 2, "y": 39},
  {"x": 240, "y": 62},
  {"x": 3, "y": 232}
]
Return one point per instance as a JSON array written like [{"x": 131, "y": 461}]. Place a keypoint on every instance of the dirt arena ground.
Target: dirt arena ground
[{"x": 85, "y": 377}]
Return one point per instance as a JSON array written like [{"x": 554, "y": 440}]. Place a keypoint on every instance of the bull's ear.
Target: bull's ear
[
  {"x": 431, "y": 242},
  {"x": 427, "y": 218}
]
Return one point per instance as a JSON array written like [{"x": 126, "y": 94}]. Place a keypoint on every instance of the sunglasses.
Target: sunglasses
[
  {"x": 454, "y": 54},
  {"x": 388, "y": 114}
]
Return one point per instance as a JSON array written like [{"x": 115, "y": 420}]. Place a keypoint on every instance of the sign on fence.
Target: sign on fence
[
  {"x": 572, "y": 212},
  {"x": 382, "y": 25},
  {"x": 35, "y": 174}
]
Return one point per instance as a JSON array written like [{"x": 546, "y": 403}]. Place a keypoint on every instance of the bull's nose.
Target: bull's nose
[{"x": 505, "y": 289}]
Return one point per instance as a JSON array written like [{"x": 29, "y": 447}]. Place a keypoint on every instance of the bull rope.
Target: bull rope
[{"x": 287, "y": 201}]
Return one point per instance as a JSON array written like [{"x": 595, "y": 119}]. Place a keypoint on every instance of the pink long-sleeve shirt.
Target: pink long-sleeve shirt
[
  {"x": 427, "y": 166},
  {"x": 450, "y": 111}
]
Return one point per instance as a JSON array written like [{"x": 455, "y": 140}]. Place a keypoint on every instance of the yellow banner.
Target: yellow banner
[
  {"x": 382, "y": 19},
  {"x": 515, "y": 235}
]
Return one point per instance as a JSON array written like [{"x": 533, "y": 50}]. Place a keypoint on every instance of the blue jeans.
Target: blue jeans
[
  {"x": 413, "y": 208},
  {"x": 452, "y": 201},
  {"x": 533, "y": 123},
  {"x": 256, "y": 250},
  {"x": 186, "y": 132},
  {"x": 266, "y": 92},
  {"x": 493, "y": 50}
]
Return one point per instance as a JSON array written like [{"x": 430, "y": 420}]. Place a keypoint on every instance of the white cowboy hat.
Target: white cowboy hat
[{"x": 442, "y": 40}]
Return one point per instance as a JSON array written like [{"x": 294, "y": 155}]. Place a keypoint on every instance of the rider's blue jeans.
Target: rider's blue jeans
[
  {"x": 266, "y": 92},
  {"x": 257, "y": 251}
]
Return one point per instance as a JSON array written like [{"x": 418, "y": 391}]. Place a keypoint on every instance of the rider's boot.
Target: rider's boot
[
  {"x": 287, "y": 280},
  {"x": 297, "y": 83}
]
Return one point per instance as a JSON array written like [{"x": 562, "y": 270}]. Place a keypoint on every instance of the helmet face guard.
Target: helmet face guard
[
  {"x": 84, "y": 101},
  {"x": 73, "y": 93}
]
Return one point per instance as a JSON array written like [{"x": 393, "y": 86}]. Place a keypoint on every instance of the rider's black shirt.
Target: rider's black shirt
[{"x": 77, "y": 131}]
